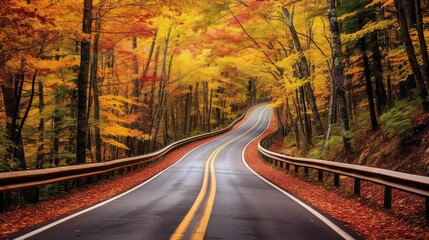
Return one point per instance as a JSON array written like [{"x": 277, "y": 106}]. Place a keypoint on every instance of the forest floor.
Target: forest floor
[
  {"x": 363, "y": 215},
  {"x": 409, "y": 154}
]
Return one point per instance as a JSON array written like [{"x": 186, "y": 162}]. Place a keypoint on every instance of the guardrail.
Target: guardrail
[
  {"x": 415, "y": 184},
  {"x": 86, "y": 173}
]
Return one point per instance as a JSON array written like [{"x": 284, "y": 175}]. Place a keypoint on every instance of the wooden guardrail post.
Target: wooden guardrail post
[
  {"x": 414, "y": 184},
  {"x": 320, "y": 175},
  {"x": 34, "y": 194},
  {"x": 387, "y": 197},
  {"x": 80, "y": 182},
  {"x": 427, "y": 208},
  {"x": 336, "y": 179},
  {"x": 2, "y": 202},
  {"x": 306, "y": 172},
  {"x": 357, "y": 187}
]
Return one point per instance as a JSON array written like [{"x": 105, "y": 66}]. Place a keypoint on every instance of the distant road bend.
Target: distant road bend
[{"x": 209, "y": 194}]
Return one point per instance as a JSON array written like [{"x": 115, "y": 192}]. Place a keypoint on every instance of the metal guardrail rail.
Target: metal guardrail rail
[
  {"x": 33, "y": 179},
  {"x": 415, "y": 184}
]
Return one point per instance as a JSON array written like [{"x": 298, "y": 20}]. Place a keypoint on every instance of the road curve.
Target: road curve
[{"x": 210, "y": 193}]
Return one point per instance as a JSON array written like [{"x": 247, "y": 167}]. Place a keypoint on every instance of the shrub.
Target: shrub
[{"x": 397, "y": 122}]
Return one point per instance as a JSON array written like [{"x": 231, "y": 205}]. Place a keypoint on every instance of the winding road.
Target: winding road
[{"x": 209, "y": 194}]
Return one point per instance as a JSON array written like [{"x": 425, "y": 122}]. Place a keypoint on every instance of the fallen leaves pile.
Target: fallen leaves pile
[{"x": 369, "y": 222}]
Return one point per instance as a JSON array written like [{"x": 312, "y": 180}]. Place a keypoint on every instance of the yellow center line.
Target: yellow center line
[
  {"x": 200, "y": 229},
  {"x": 186, "y": 222}
]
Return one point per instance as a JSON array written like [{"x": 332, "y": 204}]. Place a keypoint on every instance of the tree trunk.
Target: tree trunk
[
  {"x": 132, "y": 143},
  {"x": 149, "y": 58},
  {"x": 206, "y": 121},
  {"x": 422, "y": 41},
  {"x": 41, "y": 128},
  {"x": 421, "y": 86},
  {"x": 173, "y": 120},
  {"x": 300, "y": 121},
  {"x": 153, "y": 85},
  {"x": 389, "y": 87},
  {"x": 252, "y": 89},
  {"x": 337, "y": 74},
  {"x": 409, "y": 13},
  {"x": 294, "y": 125},
  {"x": 188, "y": 111},
  {"x": 12, "y": 99},
  {"x": 305, "y": 72},
  {"x": 307, "y": 125},
  {"x": 56, "y": 121},
  {"x": 136, "y": 81},
  {"x": 332, "y": 100},
  {"x": 380, "y": 91},
  {"x": 82, "y": 85},
  {"x": 209, "y": 111},
  {"x": 161, "y": 92},
  {"x": 369, "y": 91},
  {"x": 24, "y": 118},
  {"x": 94, "y": 76},
  {"x": 165, "y": 127},
  {"x": 198, "y": 123}
]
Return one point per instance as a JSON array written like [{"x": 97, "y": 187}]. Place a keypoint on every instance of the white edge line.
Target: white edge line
[
  {"x": 328, "y": 222},
  {"x": 46, "y": 227}
]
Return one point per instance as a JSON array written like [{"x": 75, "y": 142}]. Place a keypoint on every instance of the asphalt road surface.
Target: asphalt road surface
[{"x": 209, "y": 194}]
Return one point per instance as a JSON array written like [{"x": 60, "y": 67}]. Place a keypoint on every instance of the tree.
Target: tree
[
  {"x": 412, "y": 58},
  {"x": 82, "y": 84},
  {"x": 337, "y": 73},
  {"x": 304, "y": 70}
]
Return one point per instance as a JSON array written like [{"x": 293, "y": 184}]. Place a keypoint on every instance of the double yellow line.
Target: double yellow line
[{"x": 201, "y": 227}]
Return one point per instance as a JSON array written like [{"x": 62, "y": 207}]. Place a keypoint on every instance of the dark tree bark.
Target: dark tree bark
[
  {"x": 188, "y": 111},
  {"x": 369, "y": 90},
  {"x": 94, "y": 76},
  {"x": 294, "y": 125},
  {"x": 149, "y": 58},
  {"x": 337, "y": 74},
  {"x": 380, "y": 91},
  {"x": 252, "y": 89},
  {"x": 409, "y": 12},
  {"x": 422, "y": 41},
  {"x": 12, "y": 99},
  {"x": 56, "y": 121},
  {"x": 305, "y": 71},
  {"x": 307, "y": 125},
  {"x": 165, "y": 126},
  {"x": 136, "y": 81},
  {"x": 82, "y": 84},
  {"x": 153, "y": 85},
  {"x": 41, "y": 128},
  {"x": 206, "y": 106},
  {"x": 198, "y": 123},
  {"x": 421, "y": 86},
  {"x": 131, "y": 141},
  {"x": 300, "y": 121},
  {"x": 30, "y": 102},
  {"x": 161, "y": 92},
  {"x": 173, "y": 120},
  {"x": 209, "y": 111}
]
